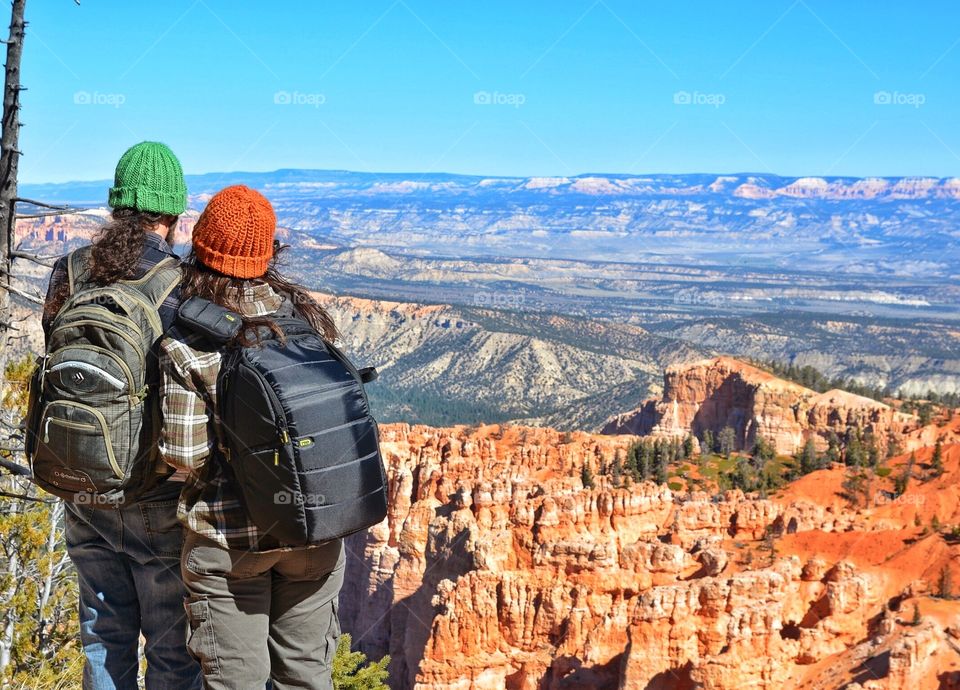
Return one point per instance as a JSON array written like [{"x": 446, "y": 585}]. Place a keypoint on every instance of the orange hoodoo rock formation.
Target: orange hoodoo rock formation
[
  {"x": 719, "y": 392},
  {"x": 497, "y": 569}
]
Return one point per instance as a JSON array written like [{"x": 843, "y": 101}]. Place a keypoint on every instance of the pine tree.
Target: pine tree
[
  {"x": 893, "y": 445},
  {"x": 853, "y": 485},
  {"x": 688, "y": 446},
  {"x": 770, "y": 543},
  {"x": 872, "y": 451},
  {"x": 936, "y": 462},
  {"x": 632, "y": 466},
  {"x": 742, "y": 476},
  {"x": 916, "y": 615},
  {"x": 707, "y": 441},
  {"x": 833, "y": 448},
  {"x": 855, "y": 455},
  {"x": 902, "y": 481},
  {"x": 586, "y": 476},
  {"x": 945, "y": 585},
  {"x": 727, "y": 441},
  {"x": 661, "y": 475},
  {"x": 660, "y": 461},
  {"x": 38, "y": 588},
  {"x": 352, "y": 671},
  {"x": 763, "y": 450},
  {"x": 809, "y": 461},
  {"x": 644, "y": 463},
  {"x": 616, "y": 469}
]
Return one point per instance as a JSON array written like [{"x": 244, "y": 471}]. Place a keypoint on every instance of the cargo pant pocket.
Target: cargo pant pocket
[{"x": 201, "y": 642}]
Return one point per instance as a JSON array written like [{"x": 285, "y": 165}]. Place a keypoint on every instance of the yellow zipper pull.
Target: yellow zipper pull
[{"x": 276, "y": 457}]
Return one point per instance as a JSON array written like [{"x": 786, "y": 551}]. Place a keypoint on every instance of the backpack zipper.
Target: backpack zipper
[
  {"x": 67, "y": 423},
  {"x": 107, "y": 327},
  {"x": 95, "y": 309},
  {"x": 104, "y": 429},
  {"x": 282, "y": 434},
  {"x": 92, "y": 368},
  {"x": 107, "y": 353}
]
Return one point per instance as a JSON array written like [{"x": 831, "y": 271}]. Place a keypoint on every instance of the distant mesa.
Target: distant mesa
[
  {"x": 363, "y": 261},
  {"x": 711, "y": 394}
]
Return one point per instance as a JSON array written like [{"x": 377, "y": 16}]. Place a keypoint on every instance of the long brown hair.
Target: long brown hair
[
  {"x": 202, "y": 281},
  {"x": 118, "y": 246},
  {"x": 114, "y": 253}
]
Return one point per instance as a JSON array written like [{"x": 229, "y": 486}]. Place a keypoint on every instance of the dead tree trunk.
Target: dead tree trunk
[{"x": 9, "y": 161}]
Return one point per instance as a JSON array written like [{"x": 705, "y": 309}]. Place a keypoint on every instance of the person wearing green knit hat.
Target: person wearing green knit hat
[
  {"x": 149, "y": 178},
  {"x": 127, "y": 557}
]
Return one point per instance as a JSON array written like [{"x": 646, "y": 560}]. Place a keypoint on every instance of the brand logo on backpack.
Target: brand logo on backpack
[{"x": 72, "y": 480}]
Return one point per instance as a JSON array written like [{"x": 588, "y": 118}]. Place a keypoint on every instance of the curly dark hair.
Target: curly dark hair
[
  {"x": 202, "y": 281},
  {"x": 118, "y": 245},
  {"x": 115, "y": 251}
]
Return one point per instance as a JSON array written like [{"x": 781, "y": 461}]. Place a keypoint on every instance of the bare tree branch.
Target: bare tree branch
[
  {"x": 25, "y": 497},
  {"x": 17, "y": 276},
  {"x": 22, "y": 200},
  {"x": 47, "y": 261},
  {"x": 28, "y": 216},
  {"x": 36, "y": 299},
  {"x": 14, "y": 467}
]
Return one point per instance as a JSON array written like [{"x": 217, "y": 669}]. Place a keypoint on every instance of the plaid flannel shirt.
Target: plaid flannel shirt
[{"x": 210, "y": 503}]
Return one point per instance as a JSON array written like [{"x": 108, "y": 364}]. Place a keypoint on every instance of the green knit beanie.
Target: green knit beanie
[{"x": 149, "y": 178}]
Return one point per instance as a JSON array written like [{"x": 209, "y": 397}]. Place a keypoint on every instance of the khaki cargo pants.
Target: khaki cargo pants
[{"x": 255, "y": 616}]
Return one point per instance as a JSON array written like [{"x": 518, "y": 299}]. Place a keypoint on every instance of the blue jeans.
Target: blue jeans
[{"x": 128, "y": 567}]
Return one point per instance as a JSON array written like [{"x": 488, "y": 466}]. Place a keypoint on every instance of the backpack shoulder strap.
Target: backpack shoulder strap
[
  {"x": 217, "y": 324},
  {"x": 158, "y": 282},
  {"x": 78, "y": 268}
]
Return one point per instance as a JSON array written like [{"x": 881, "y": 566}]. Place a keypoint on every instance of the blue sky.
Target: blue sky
[{"x": 795, "y": 87}]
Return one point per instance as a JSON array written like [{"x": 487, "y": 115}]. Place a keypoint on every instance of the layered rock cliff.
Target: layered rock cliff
[
  {"x": 498, "y": 568},
  {"x": 711, "y": 394}
]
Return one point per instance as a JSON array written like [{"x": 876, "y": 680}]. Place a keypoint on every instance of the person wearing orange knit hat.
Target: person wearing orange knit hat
[
  {"x": 259, "y": 609},
  {"x": 235, "y": 233}
]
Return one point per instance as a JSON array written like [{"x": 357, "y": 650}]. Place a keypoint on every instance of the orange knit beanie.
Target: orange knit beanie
[{"x": 234, "y": 234}]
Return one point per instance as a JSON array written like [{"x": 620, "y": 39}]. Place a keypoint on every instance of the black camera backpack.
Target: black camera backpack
[{"x": 295, "y": 428}]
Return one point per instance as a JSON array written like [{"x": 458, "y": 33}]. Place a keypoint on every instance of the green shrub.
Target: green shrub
[{"x": 352, "y": 671}]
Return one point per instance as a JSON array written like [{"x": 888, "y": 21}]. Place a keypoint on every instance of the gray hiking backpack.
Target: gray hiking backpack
[{"x": 92, "y": 424}]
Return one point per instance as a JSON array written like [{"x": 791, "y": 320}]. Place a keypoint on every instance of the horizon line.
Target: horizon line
[{"x": 107, "y": 181}]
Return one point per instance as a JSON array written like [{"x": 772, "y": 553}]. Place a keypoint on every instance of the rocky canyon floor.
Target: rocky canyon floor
[{"x": 498, "y": 568}]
